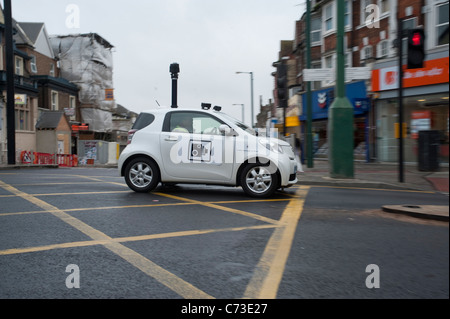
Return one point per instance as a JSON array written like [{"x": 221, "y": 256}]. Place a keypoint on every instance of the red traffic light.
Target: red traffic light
[
  {"x": 416, "y": 48},
  {"x": 416, "y": 38}
]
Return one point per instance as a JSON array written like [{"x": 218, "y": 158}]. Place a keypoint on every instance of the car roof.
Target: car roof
[{"x": 164, "y": 110}]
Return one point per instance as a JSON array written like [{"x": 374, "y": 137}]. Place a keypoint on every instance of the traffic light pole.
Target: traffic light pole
[
  {"x": 340, "y": 115},
  {"x": 10, "y": 112},
  {"x": 400, "y": 101},
  {"x": 309, "y": 142}
]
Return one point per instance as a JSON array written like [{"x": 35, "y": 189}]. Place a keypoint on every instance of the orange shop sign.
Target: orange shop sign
[{"x": 434, "y": 72}]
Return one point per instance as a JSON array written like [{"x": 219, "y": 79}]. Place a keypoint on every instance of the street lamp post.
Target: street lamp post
[
  {"x": 243, "y": 116},
  {"x": 251, "y": 87}
]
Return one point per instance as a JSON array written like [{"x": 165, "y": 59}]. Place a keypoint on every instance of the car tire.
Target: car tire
[
  {"x": 142, "y": 175},
  {"x": 257, "y": 180}
]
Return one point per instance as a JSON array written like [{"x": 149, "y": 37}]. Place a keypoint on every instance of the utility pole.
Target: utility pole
[
  {"x": 340, "y": 114},
  {"x": 10, "y": 112},
  {"x": 309, "y": 141}
]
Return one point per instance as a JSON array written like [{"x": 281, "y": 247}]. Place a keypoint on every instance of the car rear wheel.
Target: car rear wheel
[
  {"x": 258, "y": 181},
  {"x": 142, "y": 175}
]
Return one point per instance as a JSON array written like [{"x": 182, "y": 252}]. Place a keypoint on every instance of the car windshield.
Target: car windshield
[{"x": 239, "y": 124}]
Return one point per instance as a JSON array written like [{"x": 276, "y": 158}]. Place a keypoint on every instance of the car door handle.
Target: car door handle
[{"x": 171, "y": 139}]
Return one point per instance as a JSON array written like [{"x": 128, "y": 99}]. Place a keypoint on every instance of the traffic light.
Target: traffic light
[
  {"x": 416, "y": 48},
  {"x": 282, "y": 85}
]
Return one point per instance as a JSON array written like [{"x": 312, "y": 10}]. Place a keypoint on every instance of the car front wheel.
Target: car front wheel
[
  {"x": 142, "y": 175},
  {"x": 258, "y": 181}
]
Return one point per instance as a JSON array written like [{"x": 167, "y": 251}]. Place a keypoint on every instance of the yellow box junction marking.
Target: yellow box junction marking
[{"x": 267, "y": 275}]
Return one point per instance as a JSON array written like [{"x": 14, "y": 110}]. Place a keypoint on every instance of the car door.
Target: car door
[{"x": 193, "y": 148}]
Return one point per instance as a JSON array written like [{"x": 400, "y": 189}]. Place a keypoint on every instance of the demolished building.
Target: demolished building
[{"x": 86, "y": 60}]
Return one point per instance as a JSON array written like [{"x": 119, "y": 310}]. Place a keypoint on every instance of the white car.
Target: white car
[{"x": 204, "y": 146}]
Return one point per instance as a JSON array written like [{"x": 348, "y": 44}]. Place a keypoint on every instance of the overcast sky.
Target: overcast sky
[{"x": 210, "y": 39}]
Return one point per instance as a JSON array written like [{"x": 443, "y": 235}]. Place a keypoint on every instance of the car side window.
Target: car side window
[
  {"x": 205, "y": 124},
  {"x": 181, "y": 122},
  {"x": 192, "y": 122}
]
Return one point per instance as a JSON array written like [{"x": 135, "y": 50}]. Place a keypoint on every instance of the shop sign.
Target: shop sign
[
  {"x": 323, "y": 99},
  {"x": 420, "y": 121},
  {"x": 434, "y": 72},
  {"x": 69, "y": 111},
  {"x": 82, "y": 127},
  {"x": 20, "y": 99}
]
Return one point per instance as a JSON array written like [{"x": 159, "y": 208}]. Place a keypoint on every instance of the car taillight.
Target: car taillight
[{"x": 130, "y": 135}]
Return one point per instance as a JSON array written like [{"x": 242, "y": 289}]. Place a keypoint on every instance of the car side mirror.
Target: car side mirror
[{"x": 225, "y": 129}]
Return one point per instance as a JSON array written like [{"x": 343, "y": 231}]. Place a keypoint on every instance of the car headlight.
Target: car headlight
[{"x": 271, "y": 146}]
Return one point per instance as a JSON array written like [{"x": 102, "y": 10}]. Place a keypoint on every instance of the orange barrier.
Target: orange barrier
[{"x": 63, "y": 160}]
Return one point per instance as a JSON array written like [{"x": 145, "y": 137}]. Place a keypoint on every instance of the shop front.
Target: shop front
[
  {"x": 321, "y": 101},
  {"x": 425, "y": 109}
]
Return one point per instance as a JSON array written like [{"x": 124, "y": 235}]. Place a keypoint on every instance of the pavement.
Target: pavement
[
  {"x": 386, "y": 176},
  {"x": 366, "y": 175}
]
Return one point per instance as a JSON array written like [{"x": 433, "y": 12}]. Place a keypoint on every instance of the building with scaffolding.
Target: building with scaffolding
[{"x": 86, "y": 60}]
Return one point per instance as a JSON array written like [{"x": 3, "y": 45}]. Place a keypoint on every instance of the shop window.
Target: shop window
[{"x": 23, "y": 117}]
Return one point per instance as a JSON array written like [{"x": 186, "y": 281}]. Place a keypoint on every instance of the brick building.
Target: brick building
[
  {"x": 25, "y": 89},
  {"x": 370, "y": 34},
  {"x": 39, "y": 89}
]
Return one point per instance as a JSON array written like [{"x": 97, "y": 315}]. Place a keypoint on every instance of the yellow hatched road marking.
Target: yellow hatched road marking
[
  {"x": 267, "y": 275},
  {"x": 15, "y": 251},
  {"x": 269, "y": 271},
  {"x": 178, "y": 285},
  {"x": 227, "y": 209}
]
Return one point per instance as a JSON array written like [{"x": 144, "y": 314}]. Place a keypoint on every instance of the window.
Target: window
[
  {"x": 364, "y": 10},
  {"x": 316, "y": 84},
  {"x": 193, "y": 122},
  {"x": 366, "y": 52},
  {"x": 347, "y": 8},
  {"x": 54, "y": 101},
  {"x": 72, "y": 105},
  {"x": 23, "y": 116},
  {"x": 348, "y": 59},
  {"x": 316, "y": 30},
  {"x": 329, "y": 62},
  {"x": 19, "y": 65},
  {"x": 33, "y": 64},
  {"x": 143, "y": 120},
  {"x": 384, "y": 6},
  {"x": 442, "y": 24},
  {"x": 382, "y": 49},
  {"x": 329, "y": 18},
  {"x": 408, "y": 24},
  {"x": 52, "y": 69}
]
